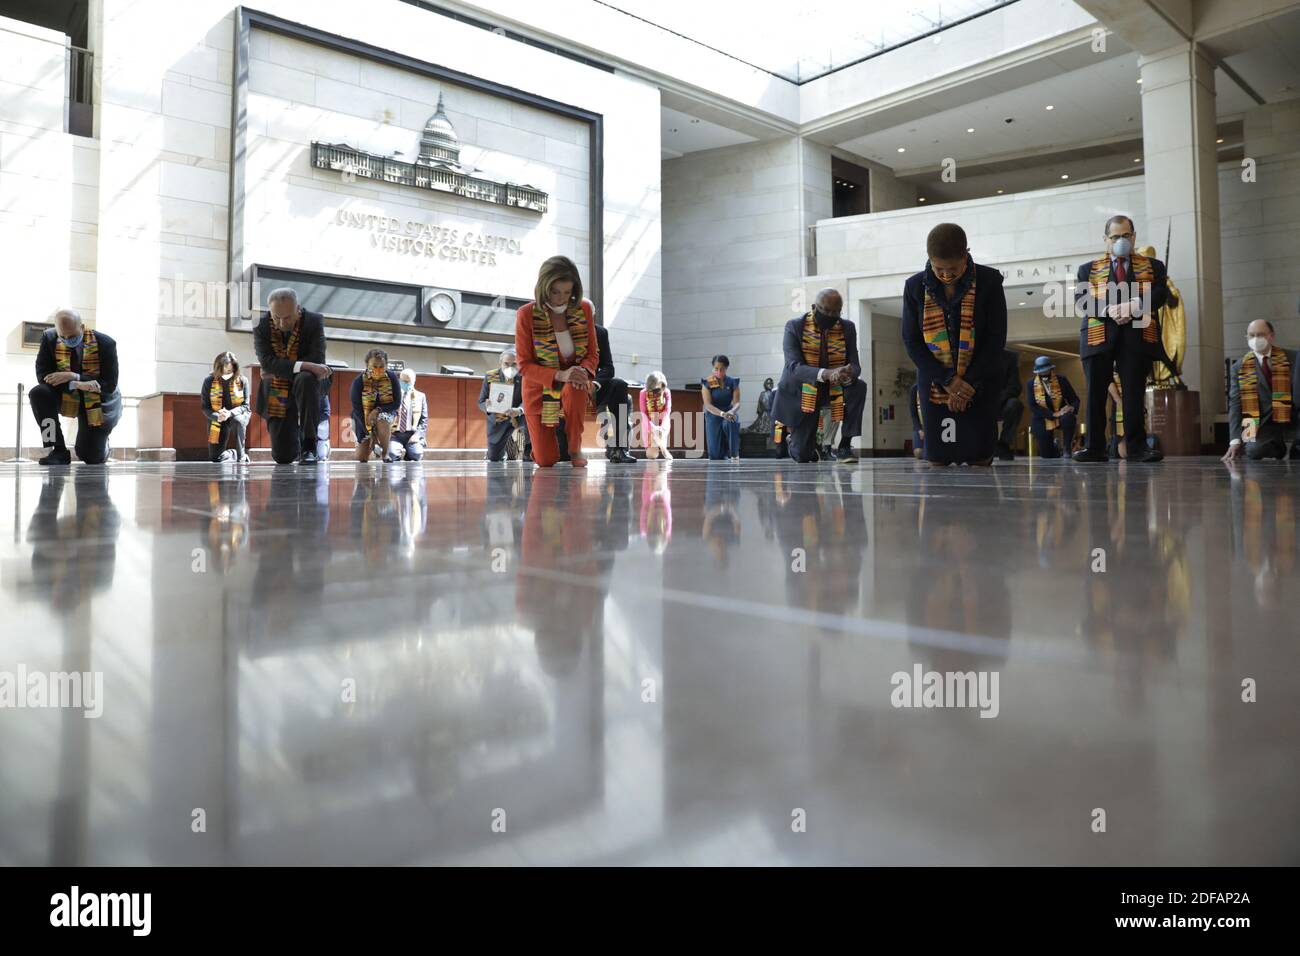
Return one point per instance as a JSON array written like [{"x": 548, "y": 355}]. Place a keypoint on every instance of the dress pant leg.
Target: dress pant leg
[
  {"x": 92, "y": 443},
  {"x": 546, "y": 451},
  {"x": 802, "y": 439},
  {"x": 1134, "y": 367},
  {"x": 574, "y": 402},
  {"x": 286, "y": 437},
  {"x": 855, "y": 403},
  {"x": 45, "y": 406},
  {"x": 1098, "y": 371},
  {"x": 306, "y": 396},
  {"x": 614, "y": 401},
  {"x": 1012, "y": 412}
]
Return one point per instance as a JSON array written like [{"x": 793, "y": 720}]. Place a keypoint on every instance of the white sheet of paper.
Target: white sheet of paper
[{"x": 499, "y": 396}]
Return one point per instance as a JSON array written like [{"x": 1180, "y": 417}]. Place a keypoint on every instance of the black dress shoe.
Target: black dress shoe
[
  {"x": 1088, "y": 455},
  {"x": 1150, "y": 456},
  {"x": 56, "y": 458},
  {"x": 621, "y": 456}
]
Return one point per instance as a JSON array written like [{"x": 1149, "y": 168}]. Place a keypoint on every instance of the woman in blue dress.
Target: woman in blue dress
[{"x": 721, "y": 395}]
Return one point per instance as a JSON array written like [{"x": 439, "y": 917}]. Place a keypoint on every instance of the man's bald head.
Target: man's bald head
[{"x": 829, "y": 301}]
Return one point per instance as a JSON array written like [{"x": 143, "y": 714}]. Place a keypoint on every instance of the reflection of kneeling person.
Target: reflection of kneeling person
[
  {"x": 412, "y": 425},
  {"x": 1053, "y": 402},
  {"x": 224, "y": 401},
  {"x": 376, "y": 395},
  {"x": 76, "y": 369},
  {"x": 501, "y": 424}
]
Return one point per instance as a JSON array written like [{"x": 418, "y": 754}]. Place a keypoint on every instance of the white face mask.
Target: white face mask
[
  {"x": 227, "y": 376},
  {"x": 509, "y": 372},
  {"x": 558, "y": 309},
  {"x": 1258, "y": 344}
]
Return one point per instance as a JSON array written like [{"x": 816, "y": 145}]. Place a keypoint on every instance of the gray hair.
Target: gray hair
[
  {"x": 825, "y": 293},
  {"x": 282, "y": 294}
]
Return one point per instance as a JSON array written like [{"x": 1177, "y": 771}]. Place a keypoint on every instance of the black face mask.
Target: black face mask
[{"x": 824, "y": 321}]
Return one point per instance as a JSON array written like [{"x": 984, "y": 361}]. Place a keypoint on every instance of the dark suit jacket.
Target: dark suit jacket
[
  {"x": 311, "y": 348},
  {"x": 796, "y": 372},
  {"x": 985, "y": 369},
  {"x": 1265, "y": 399},
  {"x": 109, "y": 397},
  {"x": 1041, "y": 412},
  {"x": 496, "y": 428},
  {"x": 358, "y": 413},
  {"x": 1085, "y": 304},
  {"x": 206, "y": 405}
]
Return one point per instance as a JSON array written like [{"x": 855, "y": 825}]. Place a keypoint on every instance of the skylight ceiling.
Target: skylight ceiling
[{"x": 803, "y": 40}]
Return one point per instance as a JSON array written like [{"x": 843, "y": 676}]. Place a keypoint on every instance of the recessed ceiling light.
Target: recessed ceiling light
[
  {"x": 902, "y": 149},
  {"x": 970, "y": 129},
  {"x": 1049, "y": 106},
  {"x": 1065, "y": 175}
]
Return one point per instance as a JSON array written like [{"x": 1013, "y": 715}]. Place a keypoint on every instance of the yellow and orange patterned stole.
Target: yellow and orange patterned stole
[
  {"x": 1040, "y": 396},
  {"x": 375, "y": 391},
  {"x": 1099, "y": 276},
  {"x": 214, "y": 402},
  {"x": 1248, "y": 383},
  {"x": 934, "y": 329},
  {"x": 836, "y": 355},
  {"x": 277, "y": 393},
  {"x": 69, "y": 405},
  {"x": 547, "y": 351},
  {"x": 1119, "y": 408}
]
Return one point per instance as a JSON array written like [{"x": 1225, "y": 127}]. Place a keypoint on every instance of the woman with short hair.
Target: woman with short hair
[
  {"x": 224, "y": 400},
  {"x": 555, "y": 342}
]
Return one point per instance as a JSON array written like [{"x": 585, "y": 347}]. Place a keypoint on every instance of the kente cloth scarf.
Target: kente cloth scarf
[
  {"x": 1040, "y": 396},
  {"x": 277, "y": 394},
  {"x": 934, "y": 329},
  {"x": 214, "y": 402},
  {"x": 836, "y": 355},
  {"x": 1119, "y": 408},
  {"x": 1098, "y": 279},
  {"x": 69, "y": 405},
  {"x": 546, "y": 349},
  {"x": 1248, "y": 383},
  {"x": 375, "y": 392}
]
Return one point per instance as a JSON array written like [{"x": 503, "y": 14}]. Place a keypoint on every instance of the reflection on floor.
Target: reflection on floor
[{"x": 695, "y": 663}]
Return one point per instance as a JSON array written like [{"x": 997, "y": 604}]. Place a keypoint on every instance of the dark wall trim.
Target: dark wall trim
[{"x": 247, "y": 19}]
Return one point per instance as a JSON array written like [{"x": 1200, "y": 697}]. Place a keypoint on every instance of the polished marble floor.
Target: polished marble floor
[{"x": 691, "y": 663}]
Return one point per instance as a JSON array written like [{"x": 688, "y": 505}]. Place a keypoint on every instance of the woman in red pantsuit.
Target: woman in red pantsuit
[{"x": 555, "y": 339}]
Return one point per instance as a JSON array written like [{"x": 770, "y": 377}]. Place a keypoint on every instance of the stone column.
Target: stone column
[{"x": 1182, "y": 187}]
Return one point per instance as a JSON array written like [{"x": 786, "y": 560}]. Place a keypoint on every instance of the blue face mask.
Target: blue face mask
[{"x": 71, "y": 342}]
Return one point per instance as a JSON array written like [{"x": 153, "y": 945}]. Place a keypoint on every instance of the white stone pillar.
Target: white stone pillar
[{"x": 1182, "y": 187}]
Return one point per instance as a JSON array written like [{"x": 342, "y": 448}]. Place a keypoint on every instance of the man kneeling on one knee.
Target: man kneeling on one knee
[
  {"x": 1261, "y": 390},
  {"x": 76, "y": 372}
]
